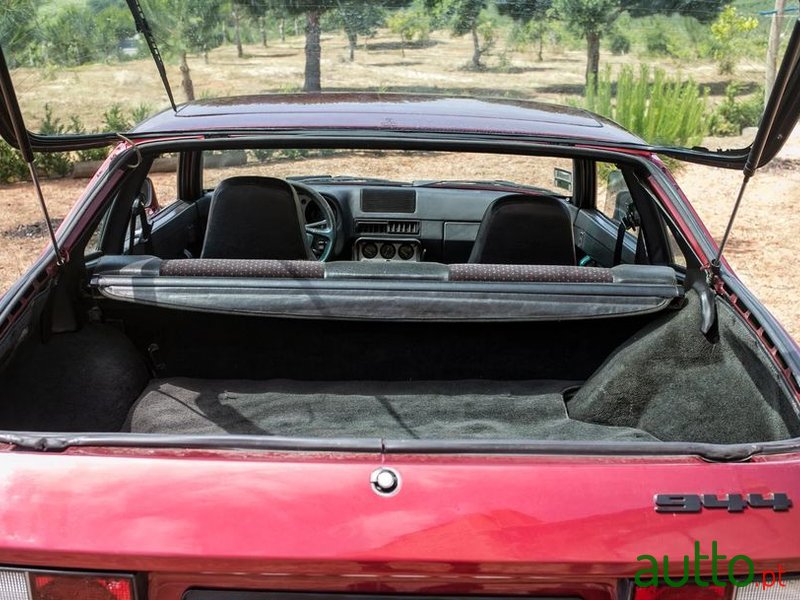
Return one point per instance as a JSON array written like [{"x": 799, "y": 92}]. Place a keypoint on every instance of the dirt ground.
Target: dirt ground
[{"x": 764, "y": 247}]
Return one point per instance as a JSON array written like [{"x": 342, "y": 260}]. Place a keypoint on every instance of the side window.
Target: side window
[
  {"x": 613, "y": 197},
  {"x": 94, "y": 245},
  {"x": 678, "y": 259},
  {"x": 164, "y": 179}
]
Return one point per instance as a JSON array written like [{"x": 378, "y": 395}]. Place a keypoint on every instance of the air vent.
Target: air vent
[
  {"x": 387, "y": 227},
  {"x": 403, "y": 227},
  {"x": 374, "y": 200}
]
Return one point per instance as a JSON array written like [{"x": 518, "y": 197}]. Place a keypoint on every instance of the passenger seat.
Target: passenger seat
[{"x": 525, "y": 230}]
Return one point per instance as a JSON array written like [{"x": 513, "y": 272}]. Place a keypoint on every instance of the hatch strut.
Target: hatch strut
[
  {"x": 24, "y": 143},
  {"x": 774, "y": 106},
  {"x": 143, "y": 27}
]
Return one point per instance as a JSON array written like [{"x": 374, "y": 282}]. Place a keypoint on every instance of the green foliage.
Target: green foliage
[
  {"x": 52, "y": 164},
  {"x": 69, "y": 36},
  {"x": 661, "y": 109},
  {"x": 17, "y": 27},
  {"x": 588, "y": 16},
  {"x": 112, "y": 23},
  {"x": 412, "y": 24},
  {"x": 733, "y": 114},
  {"x": 12, "y": 167},
  {"x": 356, "y": 18},
  {"x": 619, "y": 43},
  {"x": 186, "y": 25},
  {"x": 459, "y": 16},
  {"x": 58, "y": 164},
  {"x": 140, "y": 113},
  {"x": 592, "y": 19},
  {"x": 115, "y": 120},
  {"x": 728, "y": 32}
]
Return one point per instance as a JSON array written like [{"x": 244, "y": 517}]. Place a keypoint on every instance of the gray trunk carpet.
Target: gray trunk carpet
[{"x": 532, "y": 410}]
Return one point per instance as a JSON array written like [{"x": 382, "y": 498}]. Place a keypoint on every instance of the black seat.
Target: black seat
[
  {"x": 255, "y": 218},
  {"x": 525, "y": 230}
]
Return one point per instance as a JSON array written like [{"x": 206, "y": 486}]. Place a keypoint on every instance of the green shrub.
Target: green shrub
[
  {"x": 12, "y": 167},
  {"x": 620, "y": 43},
  {"x": 733, "y": 115},
  {"x": 658, "y": 43},
  {"x": 140, "y": 113},
  {"x": 115, "y": 120},
  {"x": 412, "y": 24},
  {"x": 53, "y": 164},
  {"x": 76, "y": 127},
  {"x": 661, "y": 109}
]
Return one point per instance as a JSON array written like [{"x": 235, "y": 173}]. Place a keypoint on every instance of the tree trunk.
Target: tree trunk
[
  {"x": 237, "y": 33},
  {"x": 313, "y": 53},
  {"x": 592, "y": 58},
  {"x": 296, "y": 26},
  {"x": 282, "y": 28},
  {"x": 476, "y": 49},
  {"x": 539, "y": 55},
  {"x": 352, "y": 40},
  {"x": 263, "y": 27},
  {"x": 186, "y": 79}
]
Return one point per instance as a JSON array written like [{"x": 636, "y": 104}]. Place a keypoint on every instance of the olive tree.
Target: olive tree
[{"x": 594, "y": 18}]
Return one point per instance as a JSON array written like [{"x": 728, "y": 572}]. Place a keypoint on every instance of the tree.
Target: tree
[
  {"x": 69, "y": 35},
  {"x": 410, "y": 24},
  {"x": 530, "y": 16},
  {"x": 18, "y": 29},
  {"x": 184, "y": 26},
  {"x": 313, "y": 11},
  {"x": 594, "y": 18},
  {"x": 467, "y": 16},
  {"x": 113, "y": 24},
  {"x": 357, "y": 17},
  {"x": 727, "y": 32}
]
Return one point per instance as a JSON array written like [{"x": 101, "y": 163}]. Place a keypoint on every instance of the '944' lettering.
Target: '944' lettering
[{"x": 692, "y": 503}]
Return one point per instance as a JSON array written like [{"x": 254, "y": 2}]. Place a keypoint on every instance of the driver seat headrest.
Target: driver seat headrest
[{"x": 255, "y": 217}]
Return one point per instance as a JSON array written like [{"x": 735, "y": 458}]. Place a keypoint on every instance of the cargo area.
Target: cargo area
[{"x": 652, "y": 377}]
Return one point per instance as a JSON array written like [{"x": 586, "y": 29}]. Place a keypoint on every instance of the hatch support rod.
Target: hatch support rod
[
  {"x": 143, "y": 27},
  {"x": 773, "y": 108},
  {"x": 24, "y": 143}
]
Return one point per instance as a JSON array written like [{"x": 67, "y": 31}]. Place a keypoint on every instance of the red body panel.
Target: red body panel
[{"x": 458, "y": 524}]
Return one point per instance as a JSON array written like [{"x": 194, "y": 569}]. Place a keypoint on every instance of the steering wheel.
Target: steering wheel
[{"x": 321, "y": 235}]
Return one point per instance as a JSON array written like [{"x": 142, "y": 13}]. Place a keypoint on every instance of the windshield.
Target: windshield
[
  {"x": 693, "y": 74},
  {"x": 325, "y": 166}
]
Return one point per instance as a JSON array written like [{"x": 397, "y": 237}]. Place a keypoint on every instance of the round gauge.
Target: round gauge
[
  {"x": 388, "y": 251},
  {"x": 406, "y": 251},
  {"x": 369, "y": 250}
]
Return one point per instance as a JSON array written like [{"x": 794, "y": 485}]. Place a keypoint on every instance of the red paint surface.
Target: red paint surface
[{"x": 312, "y": 522}]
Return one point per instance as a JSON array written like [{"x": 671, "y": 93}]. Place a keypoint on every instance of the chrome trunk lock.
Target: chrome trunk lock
[{"x": 385, "y": 481}]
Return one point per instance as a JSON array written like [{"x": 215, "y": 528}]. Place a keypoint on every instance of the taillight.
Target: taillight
[
  {"x": 54, "y": 585},
  {"x": 764, "y": 588},
  {"x": 770, "y": 589},
  {"x": 686, "y": 592}
]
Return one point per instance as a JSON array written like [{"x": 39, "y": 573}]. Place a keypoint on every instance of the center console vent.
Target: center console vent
[{"x": 387, "y": 227}]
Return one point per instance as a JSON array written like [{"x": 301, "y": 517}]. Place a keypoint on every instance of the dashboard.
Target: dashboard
[{"x": 386, "y": 223}]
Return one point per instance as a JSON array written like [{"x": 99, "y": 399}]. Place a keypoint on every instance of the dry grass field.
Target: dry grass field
[{"x": 766, "y": 241}]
